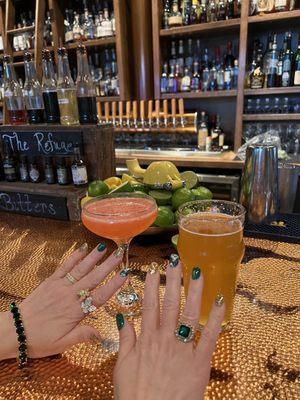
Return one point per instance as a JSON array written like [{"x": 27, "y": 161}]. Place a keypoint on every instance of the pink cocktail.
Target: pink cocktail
[{"x": 120, "y": 217}]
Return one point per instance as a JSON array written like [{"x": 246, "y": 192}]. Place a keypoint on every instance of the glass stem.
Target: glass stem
[{"x": 125, "y": 264}]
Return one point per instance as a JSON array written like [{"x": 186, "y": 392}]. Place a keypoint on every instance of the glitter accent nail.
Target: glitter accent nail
[
  {"x": 119, "y": 252},
  {"x": 153, "y": 268},
  {"x": 219, "y": 300},
  {"x": 174, "y": 260},
  {"x": 83, "y": 248}
]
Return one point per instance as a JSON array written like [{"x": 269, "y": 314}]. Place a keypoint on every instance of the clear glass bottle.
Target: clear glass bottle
[
  {"x": 32, "y": 92},
  {"x": 13, "y": 94},
  {"x": 9, "y": 164},
  {"x": 186, "y": 81},
  {"x": 86, "y": 91},
  {"x": 273, "y": 64},
  {"x": 212, "y": 11},
  {"x": 62, "y": 172},
  {"x": 23, "y": 169},
  {"x": 166, "y": 14},
  {"x": 114, "y": 83},
  {"x": 213, "y": 75},
  {"x": 164, "y": 79},
  {"x": 172, "y": 84},
  {"x": 66, "y": 91},
  {"x": 69, "y": 36},
  {"x": 180, "y": 58},
  {"x": 189, "y": 54},
  {"x": 49, "y": 89},
  {"x": 33, "y": 169},
  {"x": 106, "y": 24},
  {"x": 287, "y": 61},
  {"x": 78, "y": 168},
  {"x": 297, "y": 65},
  {"x": 48, "y": 37},
  {"x": 235, "y": 75},
  {"x": 282, "y": 5},
  {"x": 195, "y": 83},
  {"x": 227, "y": 77},
  {"x": 178, "y": 78},
  {"x": 220, "y": 78},
  {"x": 77, "y": 28},
  {"x": 175, "y": 18},
  {"x": 221, "y": 10},
  {"x": 205, "y": 78},
  {"x": 49, "y": 171}
]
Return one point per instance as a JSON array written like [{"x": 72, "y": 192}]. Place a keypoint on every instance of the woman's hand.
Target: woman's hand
[
  {"x": 157, "y": 365},
  {"x": 52, "y": 313}
]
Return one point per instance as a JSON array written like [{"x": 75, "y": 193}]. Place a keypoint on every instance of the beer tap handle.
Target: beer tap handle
[
  {"x": 134, "y": 113},
  {"x": 157, "y": 112},
  {"x": 150, "y": 112},
  {"x": 121, "y": 113},
  {"x": 114, "y": 112},
  {"x": 142, "y": 112},
  {"x": 128, "y": 113},
  {"x": 173, "y": 112},
  {"x": 106, "y": 111},
  {"x": 166, "y": 115},
  {"x": 181, "y": 111}
]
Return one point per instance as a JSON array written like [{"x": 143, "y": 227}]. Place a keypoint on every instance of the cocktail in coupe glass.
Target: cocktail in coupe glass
[
  {"x": 211, "y": 237},
  {"x": 120, "y": 217}
]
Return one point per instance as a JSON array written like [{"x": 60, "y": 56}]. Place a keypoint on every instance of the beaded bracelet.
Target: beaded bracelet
[{"x": 21, "y": 335}]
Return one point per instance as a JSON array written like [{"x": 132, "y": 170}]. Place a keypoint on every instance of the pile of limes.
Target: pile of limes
[{"x": 168, "y": 202}]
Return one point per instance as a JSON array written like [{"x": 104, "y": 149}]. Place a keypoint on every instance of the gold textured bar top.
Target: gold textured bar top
[{"x": 257, "y": 360}]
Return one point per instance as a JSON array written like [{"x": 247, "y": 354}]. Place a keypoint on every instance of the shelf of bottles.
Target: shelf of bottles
[
  {"x": 196, "y": 66},
  {"x": 273, "y": 10}
]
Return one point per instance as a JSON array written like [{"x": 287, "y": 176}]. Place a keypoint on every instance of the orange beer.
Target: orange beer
[{"x": 211, "y": 237}]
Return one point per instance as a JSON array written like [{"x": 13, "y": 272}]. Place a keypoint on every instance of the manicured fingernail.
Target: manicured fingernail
[
  {"x": 124, "y": 273},
  {"x": 153, "y": 268},
  {"x": 219, "y": 300},
  {"x": 196, "y": 273},
  {"x": 119, "y": 252},
  {"x": 83, "y": 248},
  {"x": 120, "y": 321},
  {"x": 101, "y": 247},
  {"x": 174, "y": 260}
]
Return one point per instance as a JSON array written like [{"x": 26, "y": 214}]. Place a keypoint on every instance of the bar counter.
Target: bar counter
[{"x": 257, "y": 359}]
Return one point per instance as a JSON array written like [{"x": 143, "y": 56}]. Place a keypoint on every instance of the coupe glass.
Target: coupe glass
[{"x": 120, "y": 217}]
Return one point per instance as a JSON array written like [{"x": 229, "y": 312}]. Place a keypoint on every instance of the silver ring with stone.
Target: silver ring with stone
[
  {"x": 184, "y": 332},
  {"x": 87, "y": 305}
]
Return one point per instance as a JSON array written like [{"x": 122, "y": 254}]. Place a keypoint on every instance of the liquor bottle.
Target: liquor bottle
[
  {"x": 178, "y": 78},
  {"x": 23, "y": 169},
  {"x": 229, "y": 13},
  {"x": 253, "y": 7},
  {"x": 78, "y": 168},
  {"x": 215, "y": 134},
  {"x": 237, "y": 8},
  {"x": 203, "y": 16},
  {"x": 113, "y": 22},
  {"x": 273, "y": 64},
  {"x": 62, "y": 172},
  {"x": 32, "y": 92},
  {"x": 202, "y": 132},
  {"x": 213, "y": 75},
  {"x": 229, "y": 58},
  {"x": 106, "y": 24},
  {"x": 221, "y": 11},
  {"x": 114, "y": 82},
  {"x": 166, "y": 14},
  {"x": 186, "y": 12},
  {"x": 257, "y": 75},
  {"x": 86, "y": 92},
  {"x": 287, "y": 62},
  {"x": 197, "y": 52},
  {"x": 195, "y": 82},
  {"x": 195, "y": 12},
  {"x": 48, "y": 37},
  {"x": 34, "y": 173},
  {"x": 175, "y": 18},
  {"x": 173, "y": 59},
  {"x": 297, "y": 65},
  {"x": 66, "y": 91},
  {"x": 189, "y": 55},
  {"x": 77, "y": 28},
  {"x": 205, "y": 58},
  {"x": 235, "y": 75},
  {"x": 13, "y": 94},
  {"x": 220, "y": 78},
  {"x": 172, "y": 83},
  {"x": 89, "y": 28},
  {"x": 280, "y": 66},
  {"x": 49, "y": 89},
  {"x": 268, "y": 52},
  {"x": 218, "y": 61},
  {"x": 186, "y": 81},
  {"x": 69, "y": 36},
  {"x": 205, "y": 78},
  {"x": 180, "y": 58},
  {"x": 9, "y": 164},
  {"x": 49, "y": 171},
  {"x": 227, "y": 77},
  {"x": 282, "y": 5},
  {"x": 265, "y": 6},
  {"x": 212, "y": 11}
]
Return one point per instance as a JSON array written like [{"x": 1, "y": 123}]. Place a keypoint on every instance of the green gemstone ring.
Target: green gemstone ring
[{"x": 184, "y": 332}]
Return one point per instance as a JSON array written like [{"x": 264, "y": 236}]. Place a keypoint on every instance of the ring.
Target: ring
[
  {"x": 184, "y": 332},
  {"x": 71, "y": 278},
  {"x": 87, "y": 301}
]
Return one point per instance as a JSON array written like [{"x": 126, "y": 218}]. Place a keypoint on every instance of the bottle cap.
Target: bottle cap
[
  {"x": 46, "y": 55},
  {"x": 27, "y": 56},
  {"x": 7, "y": 58},
  {"x": 62, "y": 51}
]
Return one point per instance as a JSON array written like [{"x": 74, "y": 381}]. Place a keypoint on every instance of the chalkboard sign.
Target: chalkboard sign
[
  {"x": 34, "y": 204},
  {"x": 47, "y": 143}
]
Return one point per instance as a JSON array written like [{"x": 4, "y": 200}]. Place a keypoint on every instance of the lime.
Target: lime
[
  {"x": 185, "y": 211},
  {"x": 125, "y": 187},
  {"x": 182, "y": 196},
  {"x": 97, "y": 188},
  {"x": 162, "y": 197},
  {"x": 190, "y": 178},
  {"x": 175, "y": 240},
  {"x": 165, "y": 217},
  {"x": 113, "y": 181},
  {"x": 202, "y": 193}
]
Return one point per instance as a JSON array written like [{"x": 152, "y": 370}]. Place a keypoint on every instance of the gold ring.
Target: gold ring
[{"x": 71, "y": 278}]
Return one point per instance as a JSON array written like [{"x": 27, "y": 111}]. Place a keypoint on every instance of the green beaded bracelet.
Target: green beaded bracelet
[{"x": 21, "y": 335}]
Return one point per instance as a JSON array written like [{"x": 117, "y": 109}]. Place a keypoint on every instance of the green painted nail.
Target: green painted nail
[
  {"x": 101, "y": 247},
  {"x": 196, "y": 273},
  {"x": 120, "y": 321}
]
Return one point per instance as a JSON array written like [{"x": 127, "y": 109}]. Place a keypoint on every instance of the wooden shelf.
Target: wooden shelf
[
  {"x": 271, "y": 117},
  {"x": 20, "y": 53},
  {"x": 200, "y": 95},
  {"x": 272, "y": 17},
  {"x": 1, "y": 103},
  {"x": 20, "y": 30},
  {"x": 108, "y": 98},
  {"x": 231, "y": 24},
  {"x": 95, "y": 42},
  {"x": 270, "y": 91}
]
